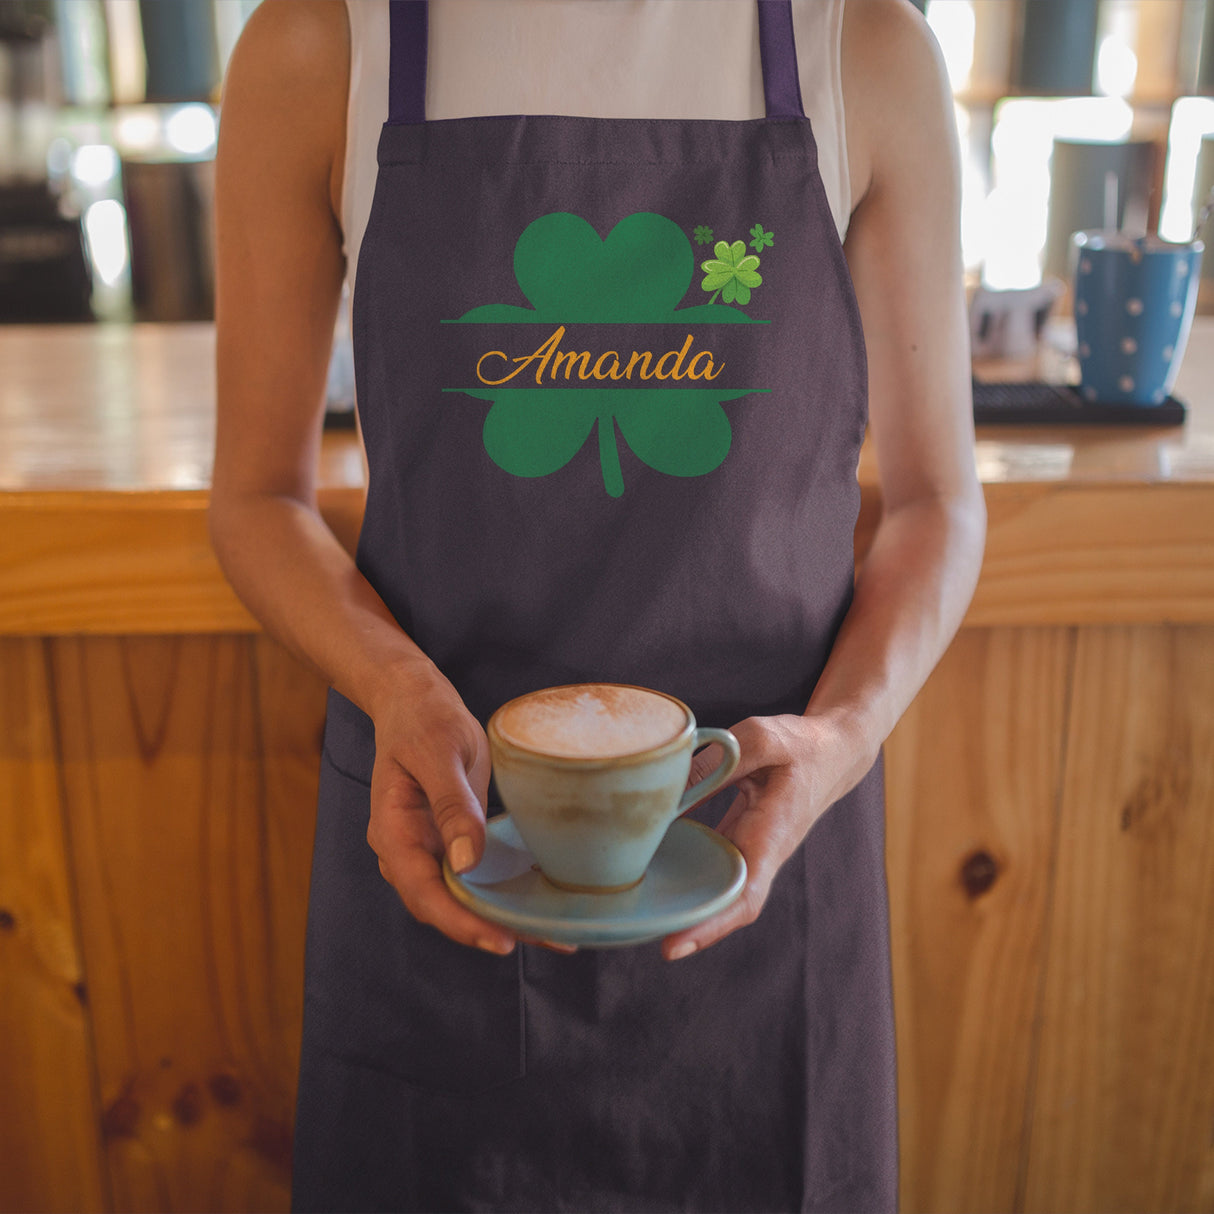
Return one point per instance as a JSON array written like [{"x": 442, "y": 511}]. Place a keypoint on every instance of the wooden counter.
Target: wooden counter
[
  {"x": 1051, "y": 834},
  {"x": 105, "y": 455}
]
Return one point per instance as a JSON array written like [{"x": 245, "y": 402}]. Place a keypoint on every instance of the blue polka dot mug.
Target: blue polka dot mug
[{"x": 1134, "y": 303}]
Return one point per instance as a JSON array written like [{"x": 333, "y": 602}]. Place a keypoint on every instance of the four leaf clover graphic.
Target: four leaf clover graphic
[
  {"x": 732, "y": 273},
  {"x": 703, "y": 234},
  {"x": 760, "y": 239}
]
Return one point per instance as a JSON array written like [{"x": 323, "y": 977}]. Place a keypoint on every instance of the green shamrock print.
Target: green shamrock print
[
  {"x": 760, "y": 239},
  {"x": 549, "y": 394},
  {"x": 732, "y": 274},
  {"x": 679, "y": 431},
  {"x": 703, "y": 235},
  {"x": 638, "y": 274}
]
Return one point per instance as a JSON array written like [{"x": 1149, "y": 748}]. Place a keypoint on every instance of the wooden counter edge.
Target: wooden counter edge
[
  {"x": 115, "y": 563},
  {"x": 1057, "y": 554}
]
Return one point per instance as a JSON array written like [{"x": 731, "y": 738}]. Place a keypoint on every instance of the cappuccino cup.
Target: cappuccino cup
[{"x": 593, "y": 775}]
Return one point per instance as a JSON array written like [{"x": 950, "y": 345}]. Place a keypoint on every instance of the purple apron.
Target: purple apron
[{"x": 612, "y": 385}]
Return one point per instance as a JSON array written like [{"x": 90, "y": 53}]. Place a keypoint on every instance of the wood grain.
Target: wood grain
[
  {"x": 1097, "y": 555},
  {"x": 1123, "y": 1109},
  {"x": 972, "y": 775},
  {"x": 190, "y": 863},
  {"x": 50, "y": 1157},
  {"x": 105, "y": 459},
  {"x": 125, "y": 563}
]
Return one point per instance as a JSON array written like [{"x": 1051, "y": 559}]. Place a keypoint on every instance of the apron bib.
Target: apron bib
[{"x": 612, "y": 387}]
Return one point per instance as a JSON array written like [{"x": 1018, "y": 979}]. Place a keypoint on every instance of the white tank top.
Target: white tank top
[{"x": 594, "y": 59}]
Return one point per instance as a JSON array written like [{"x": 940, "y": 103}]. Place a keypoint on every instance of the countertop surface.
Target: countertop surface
[
  {"x": 106, "y": 439},
  {"x": 108, "y": 407}
]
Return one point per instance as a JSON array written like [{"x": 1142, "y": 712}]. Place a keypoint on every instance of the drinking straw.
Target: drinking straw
[{"x": 1110, "y": 201}]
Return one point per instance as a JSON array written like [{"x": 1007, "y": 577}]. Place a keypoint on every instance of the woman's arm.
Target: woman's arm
[
  {"x": 904, "y": 250},
  {"x": 280, "y": 270}
]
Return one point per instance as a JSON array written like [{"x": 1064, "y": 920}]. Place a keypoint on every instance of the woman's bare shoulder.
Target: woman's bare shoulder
[
  {"x": 895, "y": 86},
  {"x": 287, "y": 83}
]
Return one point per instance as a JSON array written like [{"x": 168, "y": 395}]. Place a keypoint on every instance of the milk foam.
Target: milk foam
[{"x": 591, "y": 721}]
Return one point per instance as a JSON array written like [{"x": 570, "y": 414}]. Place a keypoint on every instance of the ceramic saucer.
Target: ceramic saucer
[{"x": 694, "y": 874}]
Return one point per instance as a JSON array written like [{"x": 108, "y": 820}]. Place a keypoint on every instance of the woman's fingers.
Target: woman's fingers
[
  {"x": 456, "y": 807},
  {"x": 409, "y": 846},
  {"x": 738, "y": 914},
  {"x": 704, "y": 763},
  {"x": 430, "y": 901},
  {"x": 765, "y": 843},
  {"x": 775, "y": 807},
  {"x": 412, "y": 826},
  {"x": 761, "y": 743}
]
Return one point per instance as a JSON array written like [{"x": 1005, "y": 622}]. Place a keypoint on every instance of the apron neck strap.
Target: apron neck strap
[
  {"x": 408, "y": 33},
  {"x": 778, "y": 53}
]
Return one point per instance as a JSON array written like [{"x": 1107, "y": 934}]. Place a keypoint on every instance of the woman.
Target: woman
[{"x": 698, "y": 541}]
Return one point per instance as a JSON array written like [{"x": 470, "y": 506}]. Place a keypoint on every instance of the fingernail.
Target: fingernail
[
  {"x": 503, "y": 948},
  {"x": 461, "y": 854},
  {"x": 682, "y": 950}
]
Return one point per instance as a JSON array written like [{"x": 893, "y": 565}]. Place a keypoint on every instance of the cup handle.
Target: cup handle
[{"x": 715, "y": 778}]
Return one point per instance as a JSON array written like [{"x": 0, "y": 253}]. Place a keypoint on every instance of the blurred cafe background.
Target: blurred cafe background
[{"x": 109, "y": 111}]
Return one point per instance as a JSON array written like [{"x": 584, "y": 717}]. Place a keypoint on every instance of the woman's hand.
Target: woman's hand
[
  {"x": 792, "y": 769},
  {"x": 428, "y": 793}
]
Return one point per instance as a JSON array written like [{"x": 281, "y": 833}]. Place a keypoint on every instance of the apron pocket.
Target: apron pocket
[{"x": 383, "y": 990}]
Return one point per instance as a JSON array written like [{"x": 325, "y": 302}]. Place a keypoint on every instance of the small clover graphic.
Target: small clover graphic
[
  {"x": 732, "y": 274},
  {"x": 703, "y": 235},
  {"x": 761, "y": 239}
]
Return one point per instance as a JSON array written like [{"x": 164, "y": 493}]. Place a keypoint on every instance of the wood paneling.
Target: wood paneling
[
  {"x": 142, "y": 562},
  {"x": 124, "y": 564},
  {"x": 190, "y": 863},
  {"x": 1051, "y": 851},
  {"x": 1123, "y": 1112},
  {"x": 1097, "y": 555},
  {"x": 49, "y": 1159},
  {"x": 973, "y": 771}
]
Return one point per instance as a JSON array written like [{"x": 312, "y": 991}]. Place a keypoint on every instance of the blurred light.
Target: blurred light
[
  {"x": 952, "y": 21},
  {"x": 1192, "y": 118},
  {"x": 191, "y": 130},
  {"x": 187, "y": 476},
  {"x": 95, "y": 164},
  {"x": 58, "y": 157},
  {"x": 137, "y": 129},
  {"x": 1015, "y": 231},
  {"x": 973, "y": 189},
  {"x": 1116, "y": 68},
  {"x": 973, "y": 215},
  {"x": 81, "y": 34},
  {"x": 1016, "y": 218},
  {"x": 128, "y": 58},
  {"x": 105, "y": 228}
]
